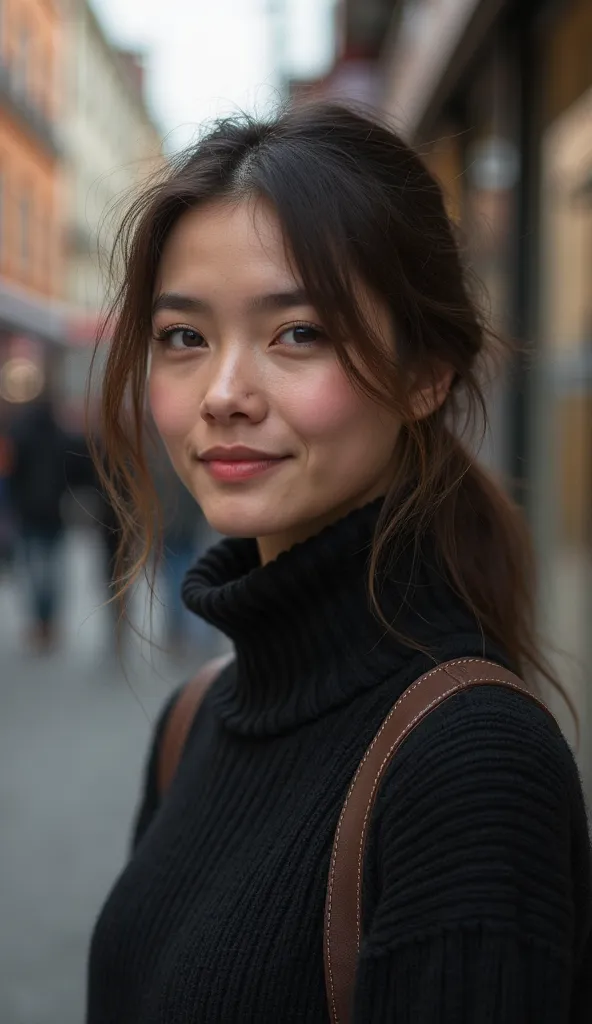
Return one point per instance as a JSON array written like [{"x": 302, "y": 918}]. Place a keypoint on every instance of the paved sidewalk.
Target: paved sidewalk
[{"x": 74, "y": 732}]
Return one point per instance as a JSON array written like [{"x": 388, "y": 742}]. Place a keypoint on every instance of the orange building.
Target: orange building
[{"x": 31, "y": 268}]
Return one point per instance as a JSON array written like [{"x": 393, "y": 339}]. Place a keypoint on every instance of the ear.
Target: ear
[{"x": 430, "y": 397}]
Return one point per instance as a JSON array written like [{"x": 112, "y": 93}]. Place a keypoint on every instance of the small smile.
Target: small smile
[
  {"x": 238, "y": 463},
  {"x": 236, "y": 470}
]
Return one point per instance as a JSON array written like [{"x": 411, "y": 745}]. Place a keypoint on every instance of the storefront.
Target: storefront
[
  {"x": 503, "y": 114},
  {"x": 31, "y": 335},
  {"x": 561, "y": 426}
]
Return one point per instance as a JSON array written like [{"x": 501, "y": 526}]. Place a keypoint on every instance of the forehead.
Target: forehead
[{"x": 226, "y": 241}]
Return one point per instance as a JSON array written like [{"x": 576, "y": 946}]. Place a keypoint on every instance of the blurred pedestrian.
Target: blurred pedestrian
[
  {"x": 37, "y": 487},
  {"x": 314, "y": 344},
  {"x": 7, "y": 531},
  {"x": 84, "y": 476},
  {"x": 184, "y": 536}
]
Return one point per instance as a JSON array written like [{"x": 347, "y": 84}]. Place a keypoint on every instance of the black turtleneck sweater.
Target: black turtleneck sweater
[{"x": 476, "y": 897}]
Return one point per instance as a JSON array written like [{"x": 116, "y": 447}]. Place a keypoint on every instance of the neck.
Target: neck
[
  {"x": 273, "y": 545},
  {"x": 305, "y": 634}
]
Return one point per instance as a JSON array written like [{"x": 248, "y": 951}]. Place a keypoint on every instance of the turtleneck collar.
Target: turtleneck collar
[{"x": 306, "y": 638}]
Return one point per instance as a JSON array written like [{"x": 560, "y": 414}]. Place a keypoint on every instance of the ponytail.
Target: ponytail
[{"x": 481, "y": 541}]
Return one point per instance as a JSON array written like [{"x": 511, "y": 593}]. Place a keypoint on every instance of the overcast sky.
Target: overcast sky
[{"x": 206, "y": 57}]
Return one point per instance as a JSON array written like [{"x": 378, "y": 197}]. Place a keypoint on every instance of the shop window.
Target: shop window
[
  {"x": 42, "y": 80},
  {"x": 488, "y": 196},
  {"x": 25, "y": 232},
  {"x": 23, "y": 57},
  {"x": 567, "y": 312},
  {"x": 564, "y": 421},
  {"x": 43, "y": 228}
]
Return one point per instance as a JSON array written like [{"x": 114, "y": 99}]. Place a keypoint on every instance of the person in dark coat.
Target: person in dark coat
[
  {"x": 184, "y": 536},
  {"x": 37, "y": 485},
  {"x": 84, "y": 476}
]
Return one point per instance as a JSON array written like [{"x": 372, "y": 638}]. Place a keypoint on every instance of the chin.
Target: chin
[{"x": 237, "y": 516}]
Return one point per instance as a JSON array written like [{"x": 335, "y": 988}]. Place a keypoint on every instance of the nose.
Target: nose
[{"x": 232, "y": 392}]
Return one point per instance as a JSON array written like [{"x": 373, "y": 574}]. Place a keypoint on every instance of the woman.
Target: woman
[{"x": 295, "y": 298}]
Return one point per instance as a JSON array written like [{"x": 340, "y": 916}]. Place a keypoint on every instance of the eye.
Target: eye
[
  {"x": 301, "y": 336},
  {"x": 179, "y": 339}
]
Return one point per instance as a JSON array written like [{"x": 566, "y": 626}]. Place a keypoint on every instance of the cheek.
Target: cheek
[
  {"x": 174, "y": 407},
  {"x": 327, "y": 407},
  {"x": 322, "y": 405}
]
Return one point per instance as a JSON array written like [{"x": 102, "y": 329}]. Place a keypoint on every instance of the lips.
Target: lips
[
  {"x": 237, "y": 453},
  {"x": 236, "y": 464}
]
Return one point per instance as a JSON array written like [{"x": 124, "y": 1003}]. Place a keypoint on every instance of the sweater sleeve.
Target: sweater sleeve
[{"x": 469, "y": 913}]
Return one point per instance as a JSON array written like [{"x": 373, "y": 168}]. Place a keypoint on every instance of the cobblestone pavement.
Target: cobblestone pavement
[{"x": 74, "y": 729}]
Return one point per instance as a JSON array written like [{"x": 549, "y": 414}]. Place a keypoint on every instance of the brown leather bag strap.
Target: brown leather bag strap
[
  {"x": 343, "y": 907},
  {"x": 181, "y": 717}
]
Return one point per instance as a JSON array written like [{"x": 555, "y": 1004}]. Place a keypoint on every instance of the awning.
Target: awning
[
  {"x": 427, "y": 53},
  {"x": 23, "y": 313}
]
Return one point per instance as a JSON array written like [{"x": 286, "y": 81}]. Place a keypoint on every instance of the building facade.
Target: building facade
[
  {"x": 497, "y": 96},
  {"x": 31, "y": 239},
  {"x": 111, "y": 146}
]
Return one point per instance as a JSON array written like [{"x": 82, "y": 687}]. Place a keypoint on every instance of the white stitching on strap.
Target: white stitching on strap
[
  {"x": 459, "y": 684},
  {"x": 330, "y": 905},
  {"x": 434, "y": 703}
]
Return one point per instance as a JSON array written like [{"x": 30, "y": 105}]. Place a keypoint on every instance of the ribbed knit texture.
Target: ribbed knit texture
[{"x": 477, "y": 891}]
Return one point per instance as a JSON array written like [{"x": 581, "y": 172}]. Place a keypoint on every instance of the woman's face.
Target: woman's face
[{"x": 259, "y": 419}]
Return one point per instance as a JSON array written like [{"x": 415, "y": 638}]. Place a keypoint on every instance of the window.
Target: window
[
  {"x": 48, "y": 77},
  {"x": 40, "y": 83},
  {"x": 1, "y": 215},
  {"x": 21, "y": 67},
  {"x": 24, "y": 231},
  {"x": 48, "y": 248},
  {"x": 562, "y": 494}
]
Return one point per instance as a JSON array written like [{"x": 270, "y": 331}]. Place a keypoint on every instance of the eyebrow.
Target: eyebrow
[{"x": 274, "y": 301}]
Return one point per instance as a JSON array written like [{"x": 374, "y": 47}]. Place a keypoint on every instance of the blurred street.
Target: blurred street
[
  {"x": 74, "y": 730},
  {"x": 96, "y": 98}
]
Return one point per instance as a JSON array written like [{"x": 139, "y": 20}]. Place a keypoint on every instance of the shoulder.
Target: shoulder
[
  {"x": 182, "y": 714},
  {"x": 169, "y": 738},
  {"x": 493, "y": 750},
  {"x": 477, "y": 817},
  {"x": 150, "y": 792},
  {"x": 488, "y": 728},
  {"x": 183, "y": 704}
]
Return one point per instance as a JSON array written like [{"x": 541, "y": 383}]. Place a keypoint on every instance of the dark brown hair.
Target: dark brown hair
[{"x": 356, "y": 205}]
